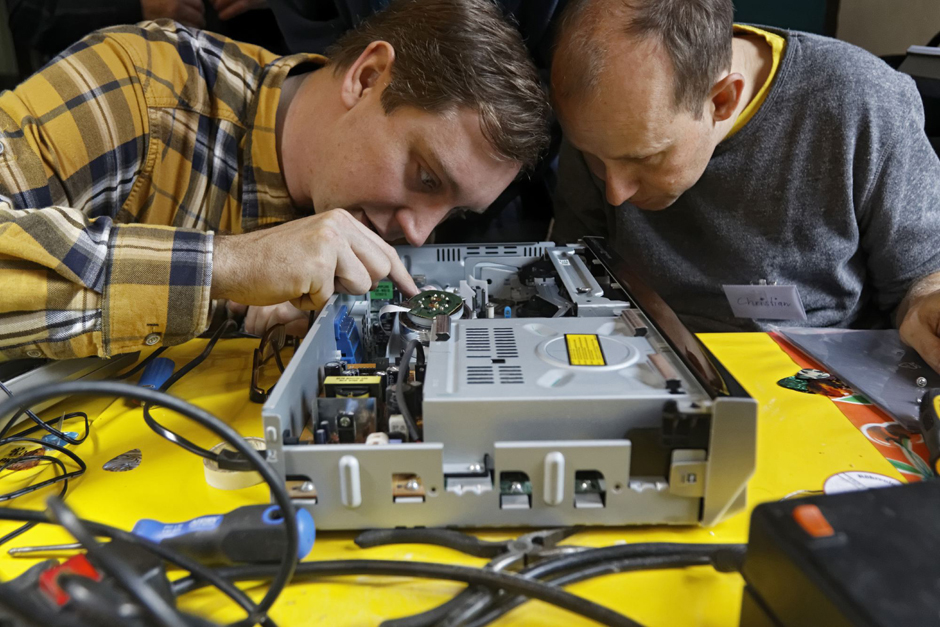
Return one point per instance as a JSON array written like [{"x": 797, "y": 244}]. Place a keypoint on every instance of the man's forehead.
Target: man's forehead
[{"x": 633, "y": 96}]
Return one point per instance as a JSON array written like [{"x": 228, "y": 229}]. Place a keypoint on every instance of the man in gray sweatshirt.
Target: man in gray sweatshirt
[{"x": 751, "y": 176}]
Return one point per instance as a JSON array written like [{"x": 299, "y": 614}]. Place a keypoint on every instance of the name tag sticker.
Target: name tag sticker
[{"x": 765, "y": 302}]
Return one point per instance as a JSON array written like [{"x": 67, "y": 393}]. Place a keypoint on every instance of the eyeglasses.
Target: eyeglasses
[{"x": 272, "y": 342}]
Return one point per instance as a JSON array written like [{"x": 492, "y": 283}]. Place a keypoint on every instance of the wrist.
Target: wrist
[{"x": 221, "y": 268}]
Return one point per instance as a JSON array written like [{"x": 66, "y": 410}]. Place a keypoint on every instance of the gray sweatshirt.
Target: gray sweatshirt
[{"x": 831, "y": 187}]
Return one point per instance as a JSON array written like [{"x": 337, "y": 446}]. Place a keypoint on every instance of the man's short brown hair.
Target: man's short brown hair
[
  {"x": 696, "y": 34},
  {"x": 458, "y": 53}
]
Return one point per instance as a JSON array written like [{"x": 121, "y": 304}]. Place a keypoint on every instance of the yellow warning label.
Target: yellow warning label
[{"x": 584, "y": 350}]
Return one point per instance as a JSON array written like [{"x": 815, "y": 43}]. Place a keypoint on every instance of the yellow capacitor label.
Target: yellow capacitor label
[
  {"x": 936, "y": 405},
  {"x": 361, "y": 380},
  {"x": 584, "y": 350}
]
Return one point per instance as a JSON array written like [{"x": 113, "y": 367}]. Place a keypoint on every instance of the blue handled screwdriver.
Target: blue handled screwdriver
[{"x": 253, "y": 534}]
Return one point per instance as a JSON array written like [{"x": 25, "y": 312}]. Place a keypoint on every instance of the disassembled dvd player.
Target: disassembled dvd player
[{"x": 527, "y": 385}]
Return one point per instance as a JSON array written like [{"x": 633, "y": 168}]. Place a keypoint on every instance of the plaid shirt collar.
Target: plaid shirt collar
[{"x": 262, "y": 161}]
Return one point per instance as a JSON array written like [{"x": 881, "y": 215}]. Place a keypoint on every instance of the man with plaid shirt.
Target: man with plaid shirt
[{"x": 149, "y": 170}]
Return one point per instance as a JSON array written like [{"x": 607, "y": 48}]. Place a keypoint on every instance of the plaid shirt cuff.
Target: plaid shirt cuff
[{"x": 157, "y": 287}]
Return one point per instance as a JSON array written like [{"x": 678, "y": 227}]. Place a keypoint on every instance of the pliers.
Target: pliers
[{"x": 513, "y": 554}]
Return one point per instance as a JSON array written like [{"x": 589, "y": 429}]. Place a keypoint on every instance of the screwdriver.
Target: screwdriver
[
  {"x": 155, "y": 375},
  {"x": 253, "y": 534},
  {"x": 930, "y": 426}
]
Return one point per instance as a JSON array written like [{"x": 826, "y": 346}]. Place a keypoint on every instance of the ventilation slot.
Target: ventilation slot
[
  {"x": 448, "y": 254},
  {"x": 510, "y": 374},
  {"x": 478, "y": 342},
  {"x": 491, "y": 251},
  {"x": 480, "y": 375},
  {"x": 505, "y": 343}
]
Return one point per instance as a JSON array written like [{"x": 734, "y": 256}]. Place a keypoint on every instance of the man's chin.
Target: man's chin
[{"x": 654, "y": 204}]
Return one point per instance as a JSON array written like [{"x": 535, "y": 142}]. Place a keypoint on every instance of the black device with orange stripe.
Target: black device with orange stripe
[{"x": 865, "y": 559}]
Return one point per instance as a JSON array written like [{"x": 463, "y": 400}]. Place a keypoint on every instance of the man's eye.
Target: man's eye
[{"x": 427, "y": 180}]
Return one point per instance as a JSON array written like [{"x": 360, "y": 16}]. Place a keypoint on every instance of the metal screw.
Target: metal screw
[
  {"x": 475, "y": 468},
  {"x": 344, "y": 421},
  {"x": 583, "y": 290},
  {"x": 307, "y": 486},
  {"x": 921, "y": 382},
  {"x": 515, "y": 487},
  {"x": 412, "y": 485}
]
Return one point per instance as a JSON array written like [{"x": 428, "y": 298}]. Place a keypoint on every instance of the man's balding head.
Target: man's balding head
[
  {"x": 645, "y": 90},
  {"x": 695, "y": 34}
]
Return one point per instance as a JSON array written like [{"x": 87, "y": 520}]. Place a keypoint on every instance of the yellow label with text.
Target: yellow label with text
[{"x": 584, "y": 350}]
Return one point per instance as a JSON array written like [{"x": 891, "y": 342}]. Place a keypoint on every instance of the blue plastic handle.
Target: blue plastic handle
[{"x": 156, "y": 373}]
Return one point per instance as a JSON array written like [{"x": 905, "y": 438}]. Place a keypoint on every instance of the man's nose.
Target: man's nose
[
  {"x": 620, "y": 187},
  {"x": 417, "y": 223}
]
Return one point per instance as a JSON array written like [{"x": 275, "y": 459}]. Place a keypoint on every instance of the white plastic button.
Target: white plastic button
[
  {"x": 554, "y": 492},
  {"x": 152, "y": 339},
  {"x": 350, "y": 484}
]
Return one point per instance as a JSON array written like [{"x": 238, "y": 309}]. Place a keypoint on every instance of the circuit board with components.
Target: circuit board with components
[
  {"x": 540, "y": 393},
  {"x": 433, "y": 303}
]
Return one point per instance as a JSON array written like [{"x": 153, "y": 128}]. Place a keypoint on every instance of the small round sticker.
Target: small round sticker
[{"x": 855, "y": 480}]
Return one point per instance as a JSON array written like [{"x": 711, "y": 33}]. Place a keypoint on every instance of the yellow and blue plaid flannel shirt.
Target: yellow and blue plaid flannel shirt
[{"x": 119, "y": 159}]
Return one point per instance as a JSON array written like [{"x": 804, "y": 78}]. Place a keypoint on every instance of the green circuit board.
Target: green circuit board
[{"x": 433, "y": 303}]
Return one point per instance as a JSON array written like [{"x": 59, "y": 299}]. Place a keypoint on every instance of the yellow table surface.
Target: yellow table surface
[{"x": 802, "y": 440}]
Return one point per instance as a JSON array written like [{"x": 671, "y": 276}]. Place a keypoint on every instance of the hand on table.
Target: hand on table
[
  {"x": 920, "y": 327},
  {"x": 305, "y": 262},
  {"x": 228, "y": 9},
  {"x": 186, "y": 12}
]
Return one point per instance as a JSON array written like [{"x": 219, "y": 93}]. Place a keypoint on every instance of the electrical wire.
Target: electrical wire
[
  {"x": 44, "y": 425},
  {"x": 509, "y": 603},
  {"x": 93, "y": 604},
  {"x": 279, "y": 492},
  {"x": 27, "y": 526},
  {"x": 724, "y": 557},
  {"x": 400, "y": 386},
  {"x": 151, "y": 602},
  {"x": 28, "y": 612},
  {"x": 65, "y": 476},
  {"x": 146, "y": 361},
  {"x": 203, "y": 573},
  {"x": 172, "y": 436},
  {"x": 428, "y": 570}
]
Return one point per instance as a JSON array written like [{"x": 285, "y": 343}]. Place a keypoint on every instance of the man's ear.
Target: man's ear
[
  {"x": 725, "y": 96},
  {"x": 371, "y": 71}
]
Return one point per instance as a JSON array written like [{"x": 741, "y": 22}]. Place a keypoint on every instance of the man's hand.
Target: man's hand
[
  {"x": 919, "y": 316},
  {"x": 228, "y": 9},
  {"x": 260, "y": 319},
  {"x": 305, "y": 261},
  {"x": 188, "y": 12}
]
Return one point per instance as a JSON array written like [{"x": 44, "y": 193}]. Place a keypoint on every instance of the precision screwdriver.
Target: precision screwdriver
[{"x": 253, "y": 534}]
